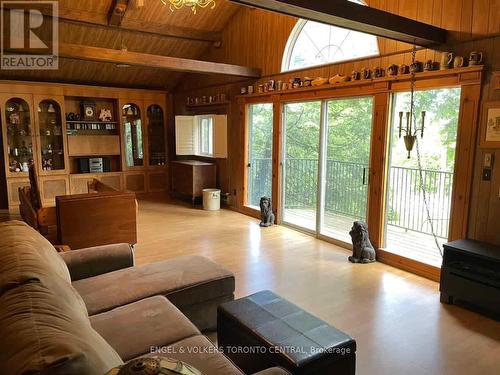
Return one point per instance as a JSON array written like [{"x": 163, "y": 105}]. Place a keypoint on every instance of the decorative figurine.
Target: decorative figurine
[
  {"x": 105, "y": 115},
  {"x": 362, "y": 249},
  {"x": 266, "y": 212}
]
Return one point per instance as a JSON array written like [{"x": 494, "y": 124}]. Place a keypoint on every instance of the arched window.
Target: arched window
[{"x": 312, "y": 43}]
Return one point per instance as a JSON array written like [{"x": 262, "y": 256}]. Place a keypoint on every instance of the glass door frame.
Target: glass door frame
[
  {"x": 321, "y": 181},
  {"x": 139, "y": 103},
  {"x": 246, "y": 207},
  {"x": 37, "y": 99}
]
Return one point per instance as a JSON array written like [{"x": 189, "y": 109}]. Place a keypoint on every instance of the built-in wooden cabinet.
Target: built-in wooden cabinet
[
  {"x": 18, "y": 134},
  {"x": 157, "y": 150},
  {"x": 45, "y": 124}
]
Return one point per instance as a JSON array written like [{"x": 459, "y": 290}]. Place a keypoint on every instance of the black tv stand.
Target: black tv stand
[{"x": 470, "y": 276}]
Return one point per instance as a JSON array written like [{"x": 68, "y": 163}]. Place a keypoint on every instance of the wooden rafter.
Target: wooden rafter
[
  {"x": 117, "y": 12},
  {"x": 356, "y": 17},
  {"x": 81, "y": 52},
  {"x": 86, "y": 17}
]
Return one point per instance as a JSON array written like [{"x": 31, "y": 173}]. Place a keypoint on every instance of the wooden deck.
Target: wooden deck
[{"x": 410, "y": 244}]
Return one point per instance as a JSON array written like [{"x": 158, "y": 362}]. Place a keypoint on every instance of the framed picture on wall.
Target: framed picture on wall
[{"x": 490, "y": 125}]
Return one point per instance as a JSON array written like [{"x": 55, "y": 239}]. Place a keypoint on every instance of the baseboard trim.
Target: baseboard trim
[{"x": 418, "y": 268}]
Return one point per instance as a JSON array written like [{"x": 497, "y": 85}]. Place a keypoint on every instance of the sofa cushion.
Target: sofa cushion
[
  {"x": 199, "y": 352},
  {"x": 184, "y": 281},
  {"x": 44, "y": 329},
  {"x": 134, "y": 329},
  {"x": 27, "y": 255}
]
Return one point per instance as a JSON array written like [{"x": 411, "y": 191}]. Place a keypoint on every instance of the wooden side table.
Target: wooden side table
[{"x": 190, "y": 177}]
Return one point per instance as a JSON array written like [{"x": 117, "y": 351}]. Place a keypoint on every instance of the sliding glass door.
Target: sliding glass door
[
  {"x": 301, "y": 136},
  {"x": 419, "y": 188},
  {"x": 260, "y": 153},
  {"x": 326, "y": 154},
  {"x": 346, "y": 163}
]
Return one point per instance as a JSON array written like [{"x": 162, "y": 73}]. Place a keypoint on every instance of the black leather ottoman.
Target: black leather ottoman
[{"x": 264, "y": 330}]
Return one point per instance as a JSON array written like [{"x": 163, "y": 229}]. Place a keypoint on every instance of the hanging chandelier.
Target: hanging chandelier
[
  {"x": 193, "y": 4},
  {"x": 411, "y": 130}
]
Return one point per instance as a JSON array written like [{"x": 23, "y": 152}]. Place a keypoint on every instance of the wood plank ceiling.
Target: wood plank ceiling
[{"x": 152, "y": 16}]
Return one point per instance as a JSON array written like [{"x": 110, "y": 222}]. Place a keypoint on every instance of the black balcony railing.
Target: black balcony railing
[{"x": 346, "y": 191}]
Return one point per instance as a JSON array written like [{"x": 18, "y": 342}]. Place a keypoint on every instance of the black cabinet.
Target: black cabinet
[{"x": 470, "y": 275}]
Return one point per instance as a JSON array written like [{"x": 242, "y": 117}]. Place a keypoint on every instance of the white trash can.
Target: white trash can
[{"x": 211, "y": 199}]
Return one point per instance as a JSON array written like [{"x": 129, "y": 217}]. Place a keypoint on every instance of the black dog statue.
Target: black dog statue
[
  {"x": 362, "y": 249},
  {"x": 266, "y": 212}
]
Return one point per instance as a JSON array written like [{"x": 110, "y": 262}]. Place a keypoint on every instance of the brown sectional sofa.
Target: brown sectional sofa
[{"x": 87, "y": 311}]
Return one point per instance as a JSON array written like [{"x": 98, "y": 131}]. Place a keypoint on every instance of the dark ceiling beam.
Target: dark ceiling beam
[
  {"x": 93, "y": 19},
  {"x": 117, "y": 12},
  {"x": 356, "y": 17},
  {"x": 124, "y": 57}
]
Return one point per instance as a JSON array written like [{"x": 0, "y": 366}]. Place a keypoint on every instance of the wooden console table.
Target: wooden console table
[{"x": 190, "y": 177}]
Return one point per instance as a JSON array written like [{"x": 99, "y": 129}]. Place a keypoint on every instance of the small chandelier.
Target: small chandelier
[
  {"x": 193, "y": 4},
  {"x": 411, "y": 130}
]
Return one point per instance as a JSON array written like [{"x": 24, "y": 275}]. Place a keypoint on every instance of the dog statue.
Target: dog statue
[
  {"x": 266, "y": 212},
  {"x": 362, "y": 249}
]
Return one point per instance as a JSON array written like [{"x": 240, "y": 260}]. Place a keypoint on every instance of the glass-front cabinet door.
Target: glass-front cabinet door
[
  {"x": 51, "y": 136},
  {"x": 157, "y": 155},
  {"x": 133, "y": 137},
  {"x": 19, "y": 135}
]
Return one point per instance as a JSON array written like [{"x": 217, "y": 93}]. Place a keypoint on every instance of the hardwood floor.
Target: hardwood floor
[{"x": 396, "y": 317}]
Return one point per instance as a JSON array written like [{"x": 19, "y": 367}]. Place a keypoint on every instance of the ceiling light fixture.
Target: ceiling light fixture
[{"x": 193, "y": 4}]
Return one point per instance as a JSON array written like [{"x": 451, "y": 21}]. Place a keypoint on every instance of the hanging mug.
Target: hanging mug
[
  {"x": 366, "y": 73},
  {"x": 446, "y": 60},
  {"x": 475, "y": 58},
  {"x": 51, "y": 108},
  {"x": 429, "y": 65},
  {"x": 403, "y": 69},
  {"x": 392, "y": 70},
  {"x": 355, "y": 75},
  {"x": 458, "y": 62},
  {"x": 416, "y": 67}
]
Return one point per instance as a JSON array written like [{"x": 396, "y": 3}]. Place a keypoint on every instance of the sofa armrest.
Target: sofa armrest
[
  {"x": 94, "y": 261},
  {"x": 273, "y": 371}
]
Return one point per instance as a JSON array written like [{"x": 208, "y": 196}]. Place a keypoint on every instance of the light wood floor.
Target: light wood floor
[{"x": 396, "y": 318}]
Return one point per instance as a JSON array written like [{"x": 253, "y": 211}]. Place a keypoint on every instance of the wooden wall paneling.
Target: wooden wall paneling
[
  {"x": 481, "y": 10},
  {"x": 466, "y": 20},
  {"x": 493, "y": 213},
  {"x": 378, "y": 169},
  {"x": 466, "y": 140},
  {"x": 59, "y": 99},
  {"x": 494, "y": 20}
]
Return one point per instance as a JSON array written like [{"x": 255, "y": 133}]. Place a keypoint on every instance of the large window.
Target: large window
[
  {"x": 312, "y": 43},
  {"x": 260, "y": 153},
  {"x": 419, "y": 199}
]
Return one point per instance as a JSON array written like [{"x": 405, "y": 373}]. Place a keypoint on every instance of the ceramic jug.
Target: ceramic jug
[
  {"x": 475, "y": 58},
  {"x": 458, "y": 62},
  {"x": 446, "y": 60}
]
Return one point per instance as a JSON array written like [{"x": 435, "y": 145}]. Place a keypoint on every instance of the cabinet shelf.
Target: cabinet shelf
[{"x": 214, "y": 104}]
